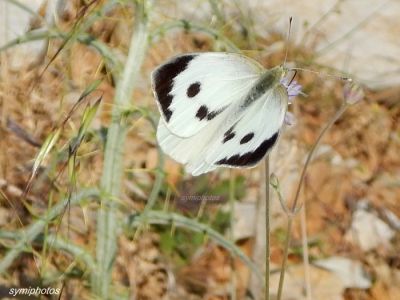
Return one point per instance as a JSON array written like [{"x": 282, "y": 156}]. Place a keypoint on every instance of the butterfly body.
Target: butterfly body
[
  {"x": 268, "y": 80},
  {"x": 218, "y": 109}
]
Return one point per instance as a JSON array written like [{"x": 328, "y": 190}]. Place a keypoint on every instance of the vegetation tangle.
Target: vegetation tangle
[{"x": 91, "y": 208}]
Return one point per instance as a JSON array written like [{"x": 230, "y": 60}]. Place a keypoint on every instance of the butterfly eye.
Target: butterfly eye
[
  {"x": 247, "y": 138},
  {"x": 193, "y": 89}
]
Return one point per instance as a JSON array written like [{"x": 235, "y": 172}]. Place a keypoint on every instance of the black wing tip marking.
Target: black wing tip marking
[
  {"x": 163, "y": 79},
  {"x": 250, "y": 158}
]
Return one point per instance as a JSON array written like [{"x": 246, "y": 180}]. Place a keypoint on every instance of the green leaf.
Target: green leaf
[{"x": 45, "y": 149}]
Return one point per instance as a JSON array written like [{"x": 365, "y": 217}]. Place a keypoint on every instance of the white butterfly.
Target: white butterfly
[{"x": 218, "y": 109}]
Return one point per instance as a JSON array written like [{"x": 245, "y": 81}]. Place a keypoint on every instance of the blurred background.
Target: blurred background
[{"x": 60, "y": 65}]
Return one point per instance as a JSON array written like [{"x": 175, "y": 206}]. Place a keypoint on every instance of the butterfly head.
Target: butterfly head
[
  {"x": 276, "y": 75},
  {"x": 282, "y": 72}
]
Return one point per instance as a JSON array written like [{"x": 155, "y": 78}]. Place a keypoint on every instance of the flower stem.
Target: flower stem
[
  {"x": 337, "y": 115},
  {"x": 285, "y": 257},
  {"x": 267, "y": 228},
  {"x": 294, "y": 208}
]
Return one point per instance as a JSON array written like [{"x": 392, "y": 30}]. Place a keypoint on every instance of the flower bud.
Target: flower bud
[{"x": 352, "y": 93}]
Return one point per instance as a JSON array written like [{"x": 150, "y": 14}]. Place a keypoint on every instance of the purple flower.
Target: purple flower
[{"x": 293, "y": 89}]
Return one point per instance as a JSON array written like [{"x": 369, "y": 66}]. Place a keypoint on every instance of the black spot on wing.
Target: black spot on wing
[
  {"x": 193, "y": 89},
  {"x": 249, "y": 158},
  {"x": 228, "y": 135},
  {"x": 164, "y": 80},
  {"x": 202, "y": 112},
  {"x": 230, "y": 130},
  {"x": 247, "y": 138},
  {"x": 211, "y": 115}
]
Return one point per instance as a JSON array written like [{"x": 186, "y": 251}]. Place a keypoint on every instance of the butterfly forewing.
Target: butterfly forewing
[{"x": 192, "y": 90}]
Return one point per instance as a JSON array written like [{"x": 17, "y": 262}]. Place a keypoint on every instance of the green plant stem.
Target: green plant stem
[
  {"x": 267, "y": 228},
  {"x": 36, "y": 228},
  {"x": 109, "y": 57},
  {"x": 167, "y": 218},
  {"x": 160, "y": 174},
  {"x": 58, "y": 243},
  {"x": 107, "y": 220},
  {"x": 294, "y": 208},
  {"x": 261, "y": 246}
]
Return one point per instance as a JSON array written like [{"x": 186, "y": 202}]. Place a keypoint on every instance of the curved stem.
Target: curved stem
[
  {"x": 165, "y": 218},
  {"x": 337, "y": 115},
  {"x": 36, "y": 228},
  {"x": 58, "y": 243},
  {"x": 112, "y": 62}
]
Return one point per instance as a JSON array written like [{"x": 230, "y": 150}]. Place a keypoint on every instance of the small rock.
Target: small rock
[
  {"x": 368, "y": 231},
  {"x": 349, "y": 271}
]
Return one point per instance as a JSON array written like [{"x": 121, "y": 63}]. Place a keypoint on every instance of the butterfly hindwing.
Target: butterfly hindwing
[
  {"x": 193, "y": 89},
  {"x": 247, "y": 141}
]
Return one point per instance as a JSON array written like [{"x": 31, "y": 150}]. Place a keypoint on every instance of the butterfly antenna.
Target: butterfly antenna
[
  {"x": 294, "y": 76},
  {"x": 287, "y": 40},
  {"x": 344, "y": 78}
]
